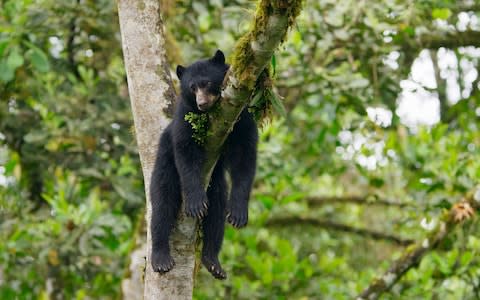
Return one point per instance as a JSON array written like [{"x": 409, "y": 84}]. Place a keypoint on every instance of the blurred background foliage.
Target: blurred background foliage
[{"x": 380, "y": 136}]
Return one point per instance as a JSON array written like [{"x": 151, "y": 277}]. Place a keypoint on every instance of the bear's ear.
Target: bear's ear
[
  {"x": 218, "y": 58},
  {"x": 180, "y": 70}
]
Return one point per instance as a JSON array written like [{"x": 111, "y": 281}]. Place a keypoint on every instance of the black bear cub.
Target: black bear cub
[{"x": 179, "y": 164}]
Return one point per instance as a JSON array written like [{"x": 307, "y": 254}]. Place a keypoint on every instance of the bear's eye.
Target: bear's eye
[
  {"x": 209, "y": 83},
  {"x": 192, "y": 87}
]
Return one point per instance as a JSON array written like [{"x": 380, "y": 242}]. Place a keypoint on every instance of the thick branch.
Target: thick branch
[
  {"x": 376, "y": 235},
  {"x": 361, "y": 200},
  {"x": 450, "y": 40},
  {"x": 464, "y": 209},
  {"x": 251, "y": 55}
]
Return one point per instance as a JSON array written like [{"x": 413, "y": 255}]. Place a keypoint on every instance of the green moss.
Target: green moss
[
  {"x": 291, "y": 8},
  {"x": 199, "y": 123},
  {"x": 241, "y": 58},
  {"x": 243, "y": 54}
]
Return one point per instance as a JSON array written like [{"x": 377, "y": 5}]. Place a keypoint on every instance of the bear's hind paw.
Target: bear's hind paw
[
  {"x": 162, "y": 263},
  {"x": 213, "y": 266}
]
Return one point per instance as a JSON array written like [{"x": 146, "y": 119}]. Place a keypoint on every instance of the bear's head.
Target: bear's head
[{"x": 201, "y": 82}]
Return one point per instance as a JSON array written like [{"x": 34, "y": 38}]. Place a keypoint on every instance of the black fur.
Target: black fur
[{"x": 179, "y": 164}]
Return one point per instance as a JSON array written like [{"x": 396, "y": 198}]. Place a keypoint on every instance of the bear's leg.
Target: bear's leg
[
  {"x": 166, "y": 199},
  {"x": 241, "y": 157},
  {"x": 213, "y": 224}
]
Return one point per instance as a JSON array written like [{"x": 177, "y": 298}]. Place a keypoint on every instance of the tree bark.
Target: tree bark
[
  {"x": 450, "y": 39},
  {"x": 151, "y": 96},
  {"x": 330, "y": 225},
  {"x": 315, "y": 201}
]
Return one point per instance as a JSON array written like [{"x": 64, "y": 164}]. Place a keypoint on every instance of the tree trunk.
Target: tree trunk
[{"x": 152, "y": 95}]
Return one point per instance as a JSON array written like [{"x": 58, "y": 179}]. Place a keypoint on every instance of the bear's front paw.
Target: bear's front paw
[
  {"x": 196, "y": 208},
  {"x": 162, "y": 262},
  {"x": 237, "y": 217}
]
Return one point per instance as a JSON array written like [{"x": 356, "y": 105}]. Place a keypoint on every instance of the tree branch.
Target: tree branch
[
  {"x": 251, "y": 55},
  {"x": 72, "y": 27},
  {"x": 316, "y": 201},
  {"x": 412, "y": 256},
  {"x": 291, "y": 221},
  {"x": 450, "y": 40}
]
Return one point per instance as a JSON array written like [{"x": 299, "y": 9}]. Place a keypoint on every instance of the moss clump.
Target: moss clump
[
  {"x": 243, "y": 54},
  {"x": 241, "y": 61},
  {"x": 290, "y": 8},
  {"x": 199, "y": 123}
]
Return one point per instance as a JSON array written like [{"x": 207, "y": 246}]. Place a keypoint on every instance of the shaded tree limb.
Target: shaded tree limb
[
  {"x": 376, "y": 235},
  {"x": 412, "y": 256},
  {"x": 447, "y": 39},
  {"x": 441, "y": 86},
  {"x": 316, "y": 201},
  {"x": 464, "y": 6},
  {"x": 151, "y": 95},
  {"x": 72, "y": 27}
]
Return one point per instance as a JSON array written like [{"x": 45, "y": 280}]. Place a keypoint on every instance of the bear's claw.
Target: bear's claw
[
  {"x": 213, "y": 266},
  {"x": 162, "y": 263}
]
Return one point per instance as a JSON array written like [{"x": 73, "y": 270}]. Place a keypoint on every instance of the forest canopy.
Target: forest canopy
[{"x": 368, "y": 162}]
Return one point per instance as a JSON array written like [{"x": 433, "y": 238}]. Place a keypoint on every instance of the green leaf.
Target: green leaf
[
  {"x": 266, "y": 200},
  {"x": 296, "y": 39},
  {"x": 35, "y": 136},
  {"x": 278, "y": 105},
  {"x": 357, "y": 104},
  {"x": 204, "y": 22},
  {"x": 359, "y": 82},
  {"x": 15, "y": 60},
  {"x": 256, "y": 99},
  {"x": 3, "y": 46},
  {"x": 441, "y": 13},
  {"x": 274, "y": 64},
  {"x": 10, "y": 64},
  {"x": 6, "y": 73},
  {"x": 377, "y": 182},
  {"x": 37, "y": 57},
  {"x": 39, "y": 60}
]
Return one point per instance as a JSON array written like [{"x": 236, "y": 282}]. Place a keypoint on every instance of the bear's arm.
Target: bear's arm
[{"x": 189, "y": 159}]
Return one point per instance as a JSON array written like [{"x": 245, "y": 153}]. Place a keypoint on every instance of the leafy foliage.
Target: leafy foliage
[{"x": 199, "y": 123}]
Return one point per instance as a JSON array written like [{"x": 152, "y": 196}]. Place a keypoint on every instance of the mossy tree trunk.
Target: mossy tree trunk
[{"x": 151, "y": 96}]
